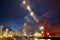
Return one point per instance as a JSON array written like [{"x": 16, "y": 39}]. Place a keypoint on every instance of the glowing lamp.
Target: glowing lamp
[
  {"x": 32, "y": 13},
  {"x": 37, "y": 34},
  {"x": 41, "y": 28},
  {"x": 28, "y": 7},
  {"x": 24, "y": 2}
]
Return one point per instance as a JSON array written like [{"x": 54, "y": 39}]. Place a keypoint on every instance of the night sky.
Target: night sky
[{"x": 12, "y": 12}]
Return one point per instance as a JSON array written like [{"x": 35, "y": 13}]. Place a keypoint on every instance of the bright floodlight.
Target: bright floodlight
[
  {"x": 28, "y": 7},
  {"x": 41, "y": 28},
  {"x": 24, "y": 2},
  {"x": 32, "y": 13}
]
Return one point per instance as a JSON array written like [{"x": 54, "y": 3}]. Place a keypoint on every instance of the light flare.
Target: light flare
[
  {"x": 28, "y": 8},
  {"x": 41, "y": 28},
  {"x": 24, "y": 2}
]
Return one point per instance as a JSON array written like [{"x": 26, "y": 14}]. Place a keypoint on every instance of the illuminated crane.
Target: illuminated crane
[{"x": 26, "y": 5}]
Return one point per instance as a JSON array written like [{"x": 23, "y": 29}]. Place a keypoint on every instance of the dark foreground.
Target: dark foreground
[{"x": 29, "y": 38}]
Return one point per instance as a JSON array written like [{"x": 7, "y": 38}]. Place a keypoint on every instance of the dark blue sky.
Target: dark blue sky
[{"x": 13, "y": 12}]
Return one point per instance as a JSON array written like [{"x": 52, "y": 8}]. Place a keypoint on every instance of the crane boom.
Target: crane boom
[{"x": 26, "y": 5}]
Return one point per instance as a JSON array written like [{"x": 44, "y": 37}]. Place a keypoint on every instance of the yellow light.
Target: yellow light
[
  {"x": 10, "y": 36},
  {"x": 37, "y": 34},
  {"x": 0, "y": 36},
  {"x": 5, "y": 35},
  {"x": 42, "y": 32},
  {"x": 36, "y": 39},
  {"x": 28, "y": 7},
  {"x": 24, "y": 2}
]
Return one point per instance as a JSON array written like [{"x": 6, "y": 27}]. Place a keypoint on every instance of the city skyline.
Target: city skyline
[{"x": 13, "y": 12}]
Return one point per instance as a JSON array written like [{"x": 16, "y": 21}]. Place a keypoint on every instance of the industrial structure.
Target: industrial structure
[{"x": 44, "y": 25}]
